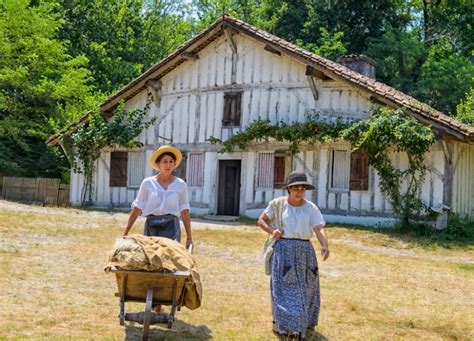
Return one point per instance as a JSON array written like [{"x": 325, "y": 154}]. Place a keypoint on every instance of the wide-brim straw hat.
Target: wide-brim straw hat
[
  {"x": 165, "y": 149},
  {"x": 297, "y": 178}
]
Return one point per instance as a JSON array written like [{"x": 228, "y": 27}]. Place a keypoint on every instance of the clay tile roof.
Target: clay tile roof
[{"x": 378, "y": 90}]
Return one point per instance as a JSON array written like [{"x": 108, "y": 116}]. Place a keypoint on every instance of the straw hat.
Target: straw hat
[
  {"x": 165, "y": 149},
  {"x": 297, "y": 178}
]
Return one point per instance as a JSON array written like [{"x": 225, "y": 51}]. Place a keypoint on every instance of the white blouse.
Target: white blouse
[
  {"x": 298, "y": 221},
  {"x": 152, "y": 198}
]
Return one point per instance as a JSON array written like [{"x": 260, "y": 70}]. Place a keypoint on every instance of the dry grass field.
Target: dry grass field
[{"x": 374, "y": 286}]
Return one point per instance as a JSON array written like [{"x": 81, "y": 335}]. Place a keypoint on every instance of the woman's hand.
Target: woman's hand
[
  {"x": 325, "y": 252},
  {"x": 189, "y": 241},
  {"x": 276, "y": 234}
]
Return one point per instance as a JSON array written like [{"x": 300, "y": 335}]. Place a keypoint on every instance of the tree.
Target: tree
[
  {"x": 122, "y": 38},
  {"x": 465, "y": 110},
  {"x": 40, "y": 86}
]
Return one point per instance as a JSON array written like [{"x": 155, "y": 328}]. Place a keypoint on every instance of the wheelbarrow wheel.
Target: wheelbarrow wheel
[{"x": 147, "y": 317}]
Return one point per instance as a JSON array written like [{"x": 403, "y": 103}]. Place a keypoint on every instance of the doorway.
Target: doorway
[{"x": 228, "y": 199}]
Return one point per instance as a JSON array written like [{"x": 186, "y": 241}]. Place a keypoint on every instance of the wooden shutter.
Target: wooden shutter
[
  {"x": 118, "y": 169},
  {"x": 359, "y": 177},
  {"x": 279, "y": 172},
  {"x": 232, "y": 108}
]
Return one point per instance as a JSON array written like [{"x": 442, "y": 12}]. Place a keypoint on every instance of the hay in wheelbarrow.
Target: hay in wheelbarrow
[
  {"x": 157, "y": 254},
  {"x": 156, "y": 271}
]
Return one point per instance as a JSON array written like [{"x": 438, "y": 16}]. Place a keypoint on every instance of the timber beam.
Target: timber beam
[
  {"x": 311, "y": 71},
  {"x": 189, "y": 55},
  {"x": 230, "y": 40},
  {"x": 270, "y": 49}
]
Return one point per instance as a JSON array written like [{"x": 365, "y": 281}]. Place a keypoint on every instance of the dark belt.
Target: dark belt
[{"x": 301, "y": 240}]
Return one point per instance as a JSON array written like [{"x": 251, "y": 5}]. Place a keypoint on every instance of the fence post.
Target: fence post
[
  {"x": 58, "y": 183},
  {"x": 37, "y": 189}
]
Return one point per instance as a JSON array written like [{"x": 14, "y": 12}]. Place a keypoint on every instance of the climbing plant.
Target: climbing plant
[
  {"x": 313, "y": 129},
  {"x": 87, "y": 142},
  {"x": 392, "y": 131},
  {"x": 386, "y": 131}
]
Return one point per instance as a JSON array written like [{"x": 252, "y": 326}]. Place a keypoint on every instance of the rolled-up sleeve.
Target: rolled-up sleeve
[
  {"x": 183, "y": 198},
  {"x": 269, "y": 210},
  {"x": 140, "y": 200},
  {"x": 317, "y": 219}
]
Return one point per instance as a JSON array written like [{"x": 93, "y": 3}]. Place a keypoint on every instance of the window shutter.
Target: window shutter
[
  {"x": 232, "y": 108},
  {"x": 136, "y": 168},
  {"x": 265, "y": 170},
  {"x": 340, "y": 170},
  {"x": 195, "y": 169},
  {"x": 279, "y": 173},
  {"x": 359, "y": 177},
  {"x": 118, "y": 169}
]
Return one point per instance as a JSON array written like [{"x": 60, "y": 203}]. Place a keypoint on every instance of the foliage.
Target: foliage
[
  {"x": 122, "y": 38},
  {"x": 399, "y": 54},
  {"x": 458, "y": 229},
  {"x": 465, "y": 109},
  {"x": 386, "y": 132},
  {"x": 312, "y": 130},
  {"x": 89, "y": 140},
  {"x": 445, "y": 77},
  {"x": 39, "y": 84},
  {"x": 329, "y": 45}
]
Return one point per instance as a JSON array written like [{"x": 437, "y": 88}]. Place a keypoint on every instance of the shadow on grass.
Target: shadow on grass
[
  {"x": 318, "y": 337},
  {"x": 180, "y": 331}
]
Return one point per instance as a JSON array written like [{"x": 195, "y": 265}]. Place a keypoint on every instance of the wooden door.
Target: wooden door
[{"x": 229, "y": 187}]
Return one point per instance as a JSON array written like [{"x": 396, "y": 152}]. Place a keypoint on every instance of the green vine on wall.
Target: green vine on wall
[
  {"x": 384, "y": 132},
  {"x": 85, "y": 144},
  {"x": 388, "y": 131},
  {"x": 313, "y": 129}
]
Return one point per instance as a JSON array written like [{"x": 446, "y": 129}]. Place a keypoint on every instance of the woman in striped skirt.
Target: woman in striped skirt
[{"x": 294, "y": 282}]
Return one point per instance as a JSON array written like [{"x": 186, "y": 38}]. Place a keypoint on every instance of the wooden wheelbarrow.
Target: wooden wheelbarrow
[{"x": 152, "y": 288}]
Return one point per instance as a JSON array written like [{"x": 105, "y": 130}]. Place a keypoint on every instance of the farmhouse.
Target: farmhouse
[{"x": 231, "y": 74}]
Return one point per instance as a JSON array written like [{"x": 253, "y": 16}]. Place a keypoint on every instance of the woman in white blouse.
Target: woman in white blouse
[
  {"x": 294, "y": 283},
  {"x": 162, "y": 198}
]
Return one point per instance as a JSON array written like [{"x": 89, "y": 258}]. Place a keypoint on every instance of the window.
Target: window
[
  {"x": 180, "y": 171},
  {"x": 359, "y": 178},
  {"x": 273, "y": 168},
  {"x": 195, "y": 169},
  {"x": 232, "y": 104},
  {"x": 118, "y": 169},
  {"x": 340, "y": 169},
  {"x": 136, "y": 168},
  {"x": 281, "y": 169}
]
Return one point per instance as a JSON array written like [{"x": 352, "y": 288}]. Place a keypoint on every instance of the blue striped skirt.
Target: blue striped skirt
[{"x": 294, "y": 287}]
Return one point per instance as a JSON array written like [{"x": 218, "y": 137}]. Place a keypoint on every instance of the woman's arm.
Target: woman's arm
[
  {"x": 264, "y": 223},
  {"x": 136, "y": 212},
  {"x": 187, "y": 226},
  {"x": 323, "y": 240}
]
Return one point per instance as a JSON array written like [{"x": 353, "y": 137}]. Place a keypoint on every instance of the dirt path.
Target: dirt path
[{"x": 112, "y": 215}]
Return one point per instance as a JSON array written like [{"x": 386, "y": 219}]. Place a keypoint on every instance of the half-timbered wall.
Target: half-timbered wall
[
  {"x": 463, "y": 184},
  {"x": 189, "y": 109}
]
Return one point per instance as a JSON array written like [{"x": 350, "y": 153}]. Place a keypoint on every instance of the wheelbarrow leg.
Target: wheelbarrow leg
[
  {"x": 173, "y": 307},
  {"x": 147, "y": 317},
  {"x": 122, "y": 300}
]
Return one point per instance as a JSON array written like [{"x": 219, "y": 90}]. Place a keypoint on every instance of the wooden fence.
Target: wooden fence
[{"x": 37, "y": 190}]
